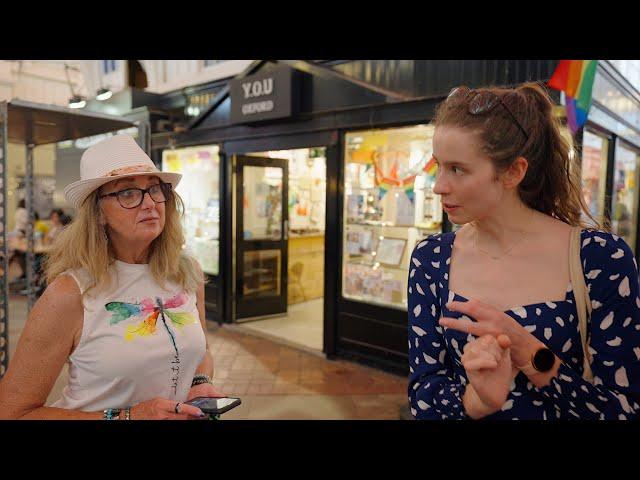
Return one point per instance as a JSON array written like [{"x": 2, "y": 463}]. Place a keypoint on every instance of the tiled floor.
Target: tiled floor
[
  {"x": 276, "y": 381},
  {"x": 280, "y": 382},
  {"x": 301, "y": 326}
]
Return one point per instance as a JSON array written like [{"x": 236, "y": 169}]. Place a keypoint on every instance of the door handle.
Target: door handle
[{"x": 286, "y": 229}]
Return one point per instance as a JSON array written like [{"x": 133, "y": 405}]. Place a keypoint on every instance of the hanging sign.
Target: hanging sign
[{"x": 264, "y": 96}]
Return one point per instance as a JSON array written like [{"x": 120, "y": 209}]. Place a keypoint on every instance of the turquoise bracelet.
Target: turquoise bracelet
[
  {"x": 111, "y": 414},
  {"x": 114, "y": 413}
]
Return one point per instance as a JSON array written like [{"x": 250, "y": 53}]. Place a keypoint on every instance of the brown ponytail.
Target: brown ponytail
[{"x": 550, "y": 185}]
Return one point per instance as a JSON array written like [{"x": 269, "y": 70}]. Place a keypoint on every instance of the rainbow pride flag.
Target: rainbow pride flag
[
  {"x": 575, "y": 78},
  {"x": 407, "y": 185},
  {"x": 431, "y": 167}
]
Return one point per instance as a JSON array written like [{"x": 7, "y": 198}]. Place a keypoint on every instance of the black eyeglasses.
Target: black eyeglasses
[
  {"x": 483, "y": 102},
  {"x": 132, "y": 197}
]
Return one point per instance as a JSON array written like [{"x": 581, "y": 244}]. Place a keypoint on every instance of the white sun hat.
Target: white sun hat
[{"x": 116, "y": 157}]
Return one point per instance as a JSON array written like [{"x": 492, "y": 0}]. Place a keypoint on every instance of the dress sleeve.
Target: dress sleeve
[
  {"x": 611, "y": 275},
  {"x": 434, "y": 393}
]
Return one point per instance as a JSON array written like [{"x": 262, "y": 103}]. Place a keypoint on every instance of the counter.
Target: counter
[{"x": 306, "y": 267}]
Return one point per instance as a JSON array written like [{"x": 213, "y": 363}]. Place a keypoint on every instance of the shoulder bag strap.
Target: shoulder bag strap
[{"x": 581, "y": 295}]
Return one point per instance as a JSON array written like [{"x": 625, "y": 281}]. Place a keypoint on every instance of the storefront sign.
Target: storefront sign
[{"x": 264, "y": 96}]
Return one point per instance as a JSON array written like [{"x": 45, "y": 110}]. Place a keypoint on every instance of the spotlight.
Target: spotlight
[
  {"x": 104, "y": 94},
  {"x": 77, "y": 102}
]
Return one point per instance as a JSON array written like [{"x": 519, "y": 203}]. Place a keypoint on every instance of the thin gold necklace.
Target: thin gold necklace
[{"x": 504, "y": 254}]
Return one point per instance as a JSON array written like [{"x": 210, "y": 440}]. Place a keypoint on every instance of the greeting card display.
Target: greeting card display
[{"x": 390, "y": 251}]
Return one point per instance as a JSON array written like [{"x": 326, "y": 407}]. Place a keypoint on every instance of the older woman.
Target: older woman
[{"x": 124, "y": 306}]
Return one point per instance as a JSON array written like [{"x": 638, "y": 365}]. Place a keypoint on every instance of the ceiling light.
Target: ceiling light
[
  {"x": 77, "y": 102},
  {"x": 104, "y": 94}
]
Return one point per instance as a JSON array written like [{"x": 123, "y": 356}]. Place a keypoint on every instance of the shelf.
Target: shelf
[
  {"x": 371, "y": 224},
  {"x": 435, "y": 230},
  {"x": 381, "y": 267}
]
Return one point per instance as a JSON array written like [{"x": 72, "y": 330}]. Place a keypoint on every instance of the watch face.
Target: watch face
[{"x": 543, "y": 360}]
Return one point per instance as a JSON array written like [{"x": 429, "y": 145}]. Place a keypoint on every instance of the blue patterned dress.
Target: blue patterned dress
[{"x": 437, "y": 378}]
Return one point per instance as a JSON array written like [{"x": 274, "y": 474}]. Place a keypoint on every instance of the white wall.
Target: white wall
[
  {"x": 44, "y": 81},
  {"x": 162, "y": 75},
  {"x": 174, "y": 74},
  {"x": 39, "y": 81}
]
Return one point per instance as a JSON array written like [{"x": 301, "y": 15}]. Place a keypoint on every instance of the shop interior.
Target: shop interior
[
  {"x": 199, "y": 189},
  {"x": 624, "y": 212},
  {"x": 389, "y": 208},
  {"x": 594, "y": 171},
  {"x": 302, "y": 324}
]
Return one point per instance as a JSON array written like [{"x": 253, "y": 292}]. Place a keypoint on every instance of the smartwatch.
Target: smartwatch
[{"x": 541, "y": 362}]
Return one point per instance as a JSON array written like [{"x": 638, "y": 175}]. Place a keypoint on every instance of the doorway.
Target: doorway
[
  {"x": 280, "y": 208},
  {"x": 261, "y": 236}
]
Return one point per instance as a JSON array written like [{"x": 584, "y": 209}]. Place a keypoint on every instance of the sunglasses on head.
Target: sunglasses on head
[{"x": 482, "y": 102}]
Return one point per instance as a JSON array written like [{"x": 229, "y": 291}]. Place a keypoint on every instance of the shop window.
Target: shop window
[
  {"x": 200, "y": 191},
  {"x": 624, "y": 206},
  {"x": 108, "y": 66},
  {"x": 389, "y": 207},
  {"x": 594, "y": 172}
]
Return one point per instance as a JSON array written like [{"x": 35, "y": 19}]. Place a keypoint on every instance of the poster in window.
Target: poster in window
[
  {"x": 355, "y": 207},
  {"x": 353, "y": 243},
  {"x": 365, "y": 241},
  {"x": 390, "y": 251}
]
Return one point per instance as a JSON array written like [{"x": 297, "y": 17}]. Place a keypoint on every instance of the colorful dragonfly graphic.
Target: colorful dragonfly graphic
[{"x": 160, "y": 308}]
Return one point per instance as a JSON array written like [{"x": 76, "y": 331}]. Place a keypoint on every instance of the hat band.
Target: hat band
[{"x": 131, "y": 169}]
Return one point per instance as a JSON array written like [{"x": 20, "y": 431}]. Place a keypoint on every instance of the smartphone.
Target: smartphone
[{"x": 214, "y": 406}]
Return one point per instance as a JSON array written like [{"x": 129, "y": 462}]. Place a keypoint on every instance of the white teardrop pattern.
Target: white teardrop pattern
[
  {"x": 614, "y": 327},
  {"x": 624, "y": 289}
]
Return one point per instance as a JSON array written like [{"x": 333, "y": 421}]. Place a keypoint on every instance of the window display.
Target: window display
[
  {"x": 200, "y": 191},
  {"x": 624, "y": 207},
  {"x": 390, "y": 251},
  {"x": 389, "y": 207},
  {"x": 307, "y": 187},
  {"x": 594, "y": 172}
]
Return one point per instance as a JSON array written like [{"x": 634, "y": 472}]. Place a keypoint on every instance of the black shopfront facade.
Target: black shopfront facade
[{"x": 348, "y": 109}]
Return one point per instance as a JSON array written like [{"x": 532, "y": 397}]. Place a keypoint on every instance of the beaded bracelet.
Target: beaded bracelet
[
  {"x": 111, "y": 414},
  {"x": 200, "y": 379}
]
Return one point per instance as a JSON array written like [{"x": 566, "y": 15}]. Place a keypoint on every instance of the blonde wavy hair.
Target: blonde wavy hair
[{"x": 84, "y": 244}]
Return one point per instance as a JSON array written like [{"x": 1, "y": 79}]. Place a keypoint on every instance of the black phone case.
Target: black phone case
[{"x": 213, "y": 411}]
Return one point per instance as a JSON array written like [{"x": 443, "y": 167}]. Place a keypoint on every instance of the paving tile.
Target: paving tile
[{"x": 296, "y": 407}]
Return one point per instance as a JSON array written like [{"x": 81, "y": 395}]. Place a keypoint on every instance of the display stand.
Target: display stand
[{"x": 34, "y": 124}]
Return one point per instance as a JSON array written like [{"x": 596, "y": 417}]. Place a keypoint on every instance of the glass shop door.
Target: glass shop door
[{"x": 261, "y": 236}]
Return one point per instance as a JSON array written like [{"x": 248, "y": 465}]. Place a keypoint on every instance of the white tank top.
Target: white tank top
[{"x": 139, "y": 341}]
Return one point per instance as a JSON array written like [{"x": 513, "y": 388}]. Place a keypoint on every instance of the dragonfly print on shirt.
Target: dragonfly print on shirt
[{"x": 152, "y": 310}]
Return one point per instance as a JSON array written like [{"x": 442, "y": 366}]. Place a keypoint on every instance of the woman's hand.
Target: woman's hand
[
  {"x": 165, "y": 409},
  {"x": 487, "y": 361},
  {"x": 204, "y": 390},
  {"x": 490, "y": 321}
]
